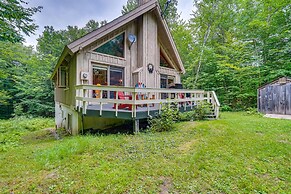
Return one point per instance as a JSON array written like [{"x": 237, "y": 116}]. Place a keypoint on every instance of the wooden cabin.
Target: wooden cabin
[
  {"x": 121, "y": 71},
  {"x": 275, "y": 97}
]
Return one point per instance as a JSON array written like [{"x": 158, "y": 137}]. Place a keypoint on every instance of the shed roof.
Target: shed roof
[
  {"x": 151, "y": 5},
  {"x": 281, "y": 80}
]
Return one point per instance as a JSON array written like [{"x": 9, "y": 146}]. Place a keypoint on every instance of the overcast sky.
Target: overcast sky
[{"x": 61, "y": 13}]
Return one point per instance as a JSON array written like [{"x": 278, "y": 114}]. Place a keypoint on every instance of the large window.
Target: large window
[
  {"x": 167, "y": 81},
  {"x": 114, "y": 47},
  {"x": 116, "y": 76},
  {"x": 108, "y": 76},
  {"x": 102, "y": 73}
]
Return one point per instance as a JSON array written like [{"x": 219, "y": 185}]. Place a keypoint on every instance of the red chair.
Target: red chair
[{"x": 122, "y": 96}]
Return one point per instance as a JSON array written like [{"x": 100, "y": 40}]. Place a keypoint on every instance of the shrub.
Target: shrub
[
  {"x": 199, "y": 113},
  {"x": 164, "y": 122},
  {"x": 253, "y": 111},
  {"x": 225, "y": 108}
]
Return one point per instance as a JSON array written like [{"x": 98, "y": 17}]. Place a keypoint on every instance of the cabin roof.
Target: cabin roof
[{"x": 93, "y": 36}]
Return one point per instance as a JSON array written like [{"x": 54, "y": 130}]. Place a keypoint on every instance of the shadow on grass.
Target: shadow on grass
[{"x": 126, "y": 129}]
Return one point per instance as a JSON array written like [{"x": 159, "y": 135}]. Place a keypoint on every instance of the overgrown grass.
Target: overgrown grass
[
  {"x": 12, "y": 130},
  {"x": 237, "y": 154}
]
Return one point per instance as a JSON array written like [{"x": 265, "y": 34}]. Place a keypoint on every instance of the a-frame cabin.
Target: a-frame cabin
[{"x": 121, "y": 71}]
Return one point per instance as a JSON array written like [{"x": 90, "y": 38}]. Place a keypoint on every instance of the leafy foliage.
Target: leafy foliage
[
  {"x": 169, "y": 12},
  {"x": 25, "y": 83},
  {"x": 15, "y": 18},
  {"x": 200, "y": 112},
  {"x": 231, "y": 47},
  {"x": 25, "y": 87},
  {"x": 52, "y": 41},
  {"x": 130, "y": 5},
  {"x": 237, "y": 46},
  {"x": 164, "y": 122}
]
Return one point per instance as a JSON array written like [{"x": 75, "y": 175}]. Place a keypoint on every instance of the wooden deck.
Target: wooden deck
[
  {"x": 145, "y": 102},
  {"x": 142, "y": 112}
]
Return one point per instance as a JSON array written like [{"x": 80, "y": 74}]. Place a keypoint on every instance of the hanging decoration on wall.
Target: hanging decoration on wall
[{"x": 150, "y": 68}]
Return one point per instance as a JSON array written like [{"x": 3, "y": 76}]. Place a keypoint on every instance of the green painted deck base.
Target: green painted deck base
[
  {"x": 127, "y": 114},
  {"x": 93, "y": 112}
]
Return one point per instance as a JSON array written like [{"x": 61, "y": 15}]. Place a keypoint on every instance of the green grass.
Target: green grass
[
  {"x": 12, "y": 130},
  {"x": 237, "y": 154}
]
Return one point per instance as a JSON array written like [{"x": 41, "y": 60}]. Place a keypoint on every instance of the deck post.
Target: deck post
[{"x": 136, "y": 126}]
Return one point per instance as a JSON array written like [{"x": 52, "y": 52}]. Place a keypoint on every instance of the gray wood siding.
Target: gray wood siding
[
  {"x": 67, "y": 95},
  {"x": 275, "y": 99}
]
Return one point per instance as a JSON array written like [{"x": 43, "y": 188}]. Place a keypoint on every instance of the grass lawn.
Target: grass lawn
[{"x": 237, "y": 154}]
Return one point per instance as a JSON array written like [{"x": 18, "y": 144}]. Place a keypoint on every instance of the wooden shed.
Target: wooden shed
[
  {"x": 122, "y": 71},
  {"x": 275, "y": 97}
]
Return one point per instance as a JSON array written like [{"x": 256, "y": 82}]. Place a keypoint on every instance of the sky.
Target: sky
[{"x": 61, "y": 13}]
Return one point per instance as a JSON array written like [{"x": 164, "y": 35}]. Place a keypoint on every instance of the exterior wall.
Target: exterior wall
[
  {"x": 172, "y": 72},
  {"x": 67, "y": 95},
  {"x": 67, "y": 118},
  {"x": 65, "y": 115},
  {"x": 275, "y": 99},
  {"x": 146, "y": 50}
]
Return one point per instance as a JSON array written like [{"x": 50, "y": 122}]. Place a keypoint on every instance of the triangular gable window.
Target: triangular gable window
[
  {"x": 114, "y": 47},
  {"x": 164, "y": 62}
]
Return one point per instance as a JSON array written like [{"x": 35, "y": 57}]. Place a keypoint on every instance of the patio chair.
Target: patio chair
[{"x": 122, "y": 96}]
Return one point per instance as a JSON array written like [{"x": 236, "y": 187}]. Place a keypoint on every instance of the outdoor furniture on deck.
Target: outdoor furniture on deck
[{"x": 122, "y": 96}]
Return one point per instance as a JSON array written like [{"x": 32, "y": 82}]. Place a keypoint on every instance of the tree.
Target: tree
[
  {"x": 16, "y": 19},
  {"x": 238, "y": 45},
  {"x": 169, "y": 11},
  {"x": 130, "y": 5},
  {"x": 53, "y": 41}
]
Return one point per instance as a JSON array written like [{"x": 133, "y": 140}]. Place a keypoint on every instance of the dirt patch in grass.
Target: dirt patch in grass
[
  {"x": 40, "y": 136},
  {"x": 167, "y": 184},
  {"x": 184, "y": 148},
  {"x": 52, "y": 175}
]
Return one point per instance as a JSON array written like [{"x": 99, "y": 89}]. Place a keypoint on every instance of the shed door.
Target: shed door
[
  {"x": 279, "y": 98},
  {"x": 288, "y": 99}
]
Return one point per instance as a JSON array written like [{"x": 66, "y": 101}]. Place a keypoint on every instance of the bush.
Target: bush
[
  {"x": 225, "y": 108},
  {"x": 170, "y": 115},
  {"x": 253, "y": 111},
  {"x": 165, "y": 121},
  {"x": 199, "y": 113}
]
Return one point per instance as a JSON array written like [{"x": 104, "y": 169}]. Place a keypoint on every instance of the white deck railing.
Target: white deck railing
[{"x": 142, "y": 96}]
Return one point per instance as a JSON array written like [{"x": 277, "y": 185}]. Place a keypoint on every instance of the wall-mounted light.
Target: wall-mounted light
[{"x": 132, "y": 39}]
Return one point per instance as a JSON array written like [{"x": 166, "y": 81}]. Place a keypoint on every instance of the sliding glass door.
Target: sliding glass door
[{"x": 107, "y": 76}]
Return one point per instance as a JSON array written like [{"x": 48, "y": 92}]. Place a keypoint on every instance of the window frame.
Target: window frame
[
  {"x": 167, "y": 77},
  {"x": 60, "y": 77},
  {"x": 110, "y": 39},
  {"x": 108, "y": 68}
]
